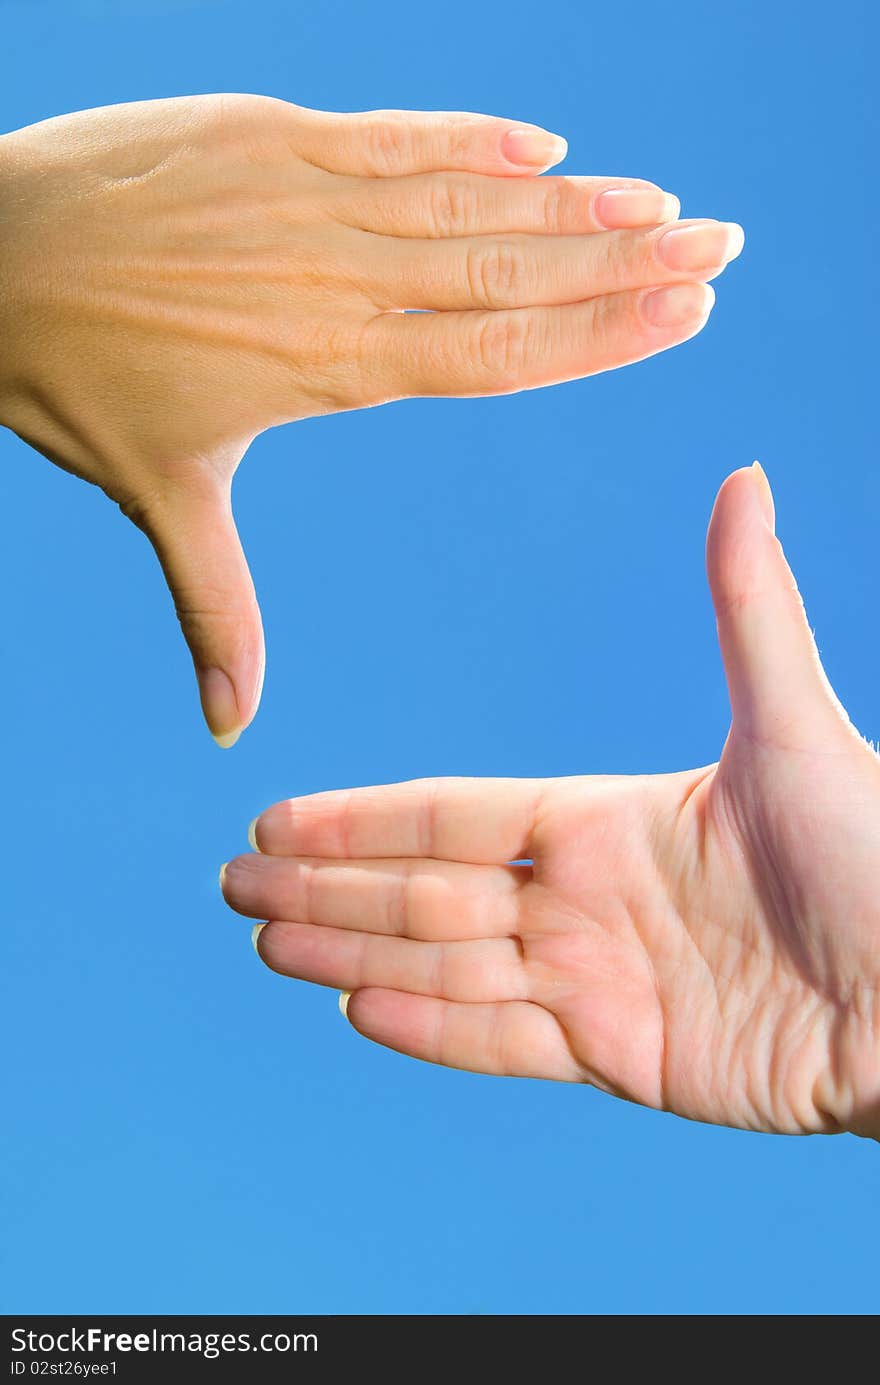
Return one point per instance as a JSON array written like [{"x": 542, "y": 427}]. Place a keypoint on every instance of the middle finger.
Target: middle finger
[{"x": 528, "y": 271}]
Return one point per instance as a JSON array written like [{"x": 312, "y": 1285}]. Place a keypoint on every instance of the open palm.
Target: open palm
[{"x": 705, "y": 942}]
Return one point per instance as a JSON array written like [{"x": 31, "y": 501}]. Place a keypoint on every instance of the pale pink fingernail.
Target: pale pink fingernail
[
  {"x": 765, "y": 495},
  {"x": 703, "y": 246},
  {"x": 220, "y": 706},
  {"x": 620, "y": 207},
  {"x": 678, "y": 305},
  {"x": 533, "y": 148}
]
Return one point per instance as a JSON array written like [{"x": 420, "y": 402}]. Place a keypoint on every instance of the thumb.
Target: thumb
[
  {"x": 198, "y": 546},
  {"x": 779, "y": 692}
]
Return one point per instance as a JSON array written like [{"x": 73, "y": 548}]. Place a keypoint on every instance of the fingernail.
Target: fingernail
[
  {"x": 621, "y": 207},
  {"x": 344, "y": 998},
  {"x": 678, "y": 305},
  {"x": 534, "y": 148},
  {"x": 220, "y": 706},
  {"x": 705, "y": 245},
  {"x": 223, "y": 873},
  {"x": 255, "y": 934},
  {"x": 765, "y": 495},
  {"x": 252, "y": 834}
]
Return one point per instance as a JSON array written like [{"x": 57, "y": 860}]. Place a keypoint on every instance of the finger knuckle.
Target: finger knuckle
[
  {"x": 369, "y": 378},
  {"x": 452, "y": 207},
  {"x": 235, "y": 107},
  {"x": 563, "y": 207},
  {"x": 254, "y": 126},
  {"x": 502, "y": 346},
  {"x": 479, "y": 911},
  {"x": 459, "y": 137},
  {"x": 466, "y": 979},
  {"x": 621, "y": 255},
  {"x": 389, "y": 144},
  {"x": 417, "y": 907},
  {"x": 612, "y": 317},
  {"x": 205, "y": 611},
  {"x": 403, "y": 906},
  {"x": 333, "y": 367},
  {"x": 497, "y": 274}
]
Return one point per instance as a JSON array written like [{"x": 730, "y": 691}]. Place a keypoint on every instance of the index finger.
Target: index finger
[
  {"x": 482, "y": 821},
  {"x": 381, "y": 144},
  {"x": 427, "y": 205}
]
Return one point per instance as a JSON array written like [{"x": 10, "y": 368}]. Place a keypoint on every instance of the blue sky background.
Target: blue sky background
[{"x": 184, "y": 1131}]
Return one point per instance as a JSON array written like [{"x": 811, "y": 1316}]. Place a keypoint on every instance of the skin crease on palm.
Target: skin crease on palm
[
  {"x": 177, "y": 276},
  {"x": 706, "y": 942}
]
